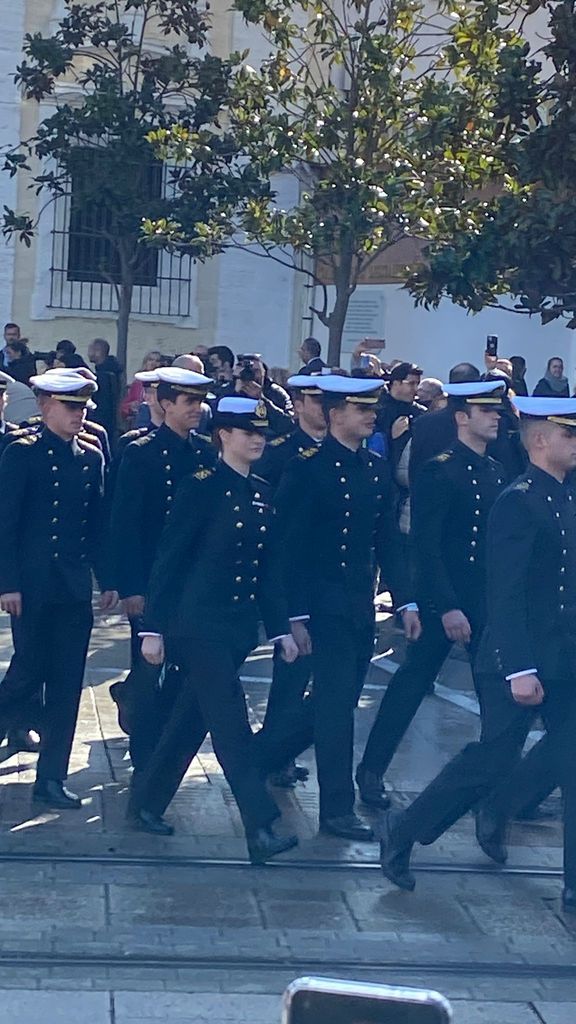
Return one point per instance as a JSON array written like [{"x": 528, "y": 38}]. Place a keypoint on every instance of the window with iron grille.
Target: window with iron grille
[
  {"x": 92, "y": 255},
  {"x": 85, "y": 265}
]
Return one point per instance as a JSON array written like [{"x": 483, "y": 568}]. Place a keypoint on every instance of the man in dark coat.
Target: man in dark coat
[
  {"x": 51, "y": 522},
  {"x": 147, "y": 480},
  {"x": 451, "y": 499},
  {"x": 526, "y": 658},
  {"x": 310, "y": 354},
  {"x": 336, "y": 520}
]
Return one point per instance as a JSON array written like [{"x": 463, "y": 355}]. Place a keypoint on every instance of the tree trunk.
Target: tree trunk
[
  {"x": 336, "y": 323},
  {"x": 122, "y": 321},
  {"x": 337, "y": 318}
]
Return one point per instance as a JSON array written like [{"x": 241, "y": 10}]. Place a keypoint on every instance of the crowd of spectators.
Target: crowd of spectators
[{"x": 121, "y": 406}]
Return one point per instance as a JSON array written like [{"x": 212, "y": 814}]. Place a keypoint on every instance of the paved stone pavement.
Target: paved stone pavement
[{"x": 105, "y": 925}]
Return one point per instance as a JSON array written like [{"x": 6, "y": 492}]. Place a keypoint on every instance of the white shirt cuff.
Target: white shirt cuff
[
  {"x": 142, "y": 635},
  {"x": 274, "y": 639},
  {"x": 527, "y": 672},
  {"x": 299, "y": 618},
  {"x": 410, "y": 607}
]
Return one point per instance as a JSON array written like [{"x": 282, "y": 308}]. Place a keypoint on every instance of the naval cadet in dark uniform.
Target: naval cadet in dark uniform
[
  {"x": 149, "y": 379},
  {"x": 213, "y": 577},
  {"x": 20, "y": 737},
  {"x": 51, "y": 525},
  {"x": 451, "y": 498},
  {"x": 526, "y": 661},
  {"x": 290, "y": 681},
  {"x": 310, "y": 429},
  {"x": 95, "y": 433},
  {"x": 336, "y": 519},
  {"x": 148, "y": 477}
]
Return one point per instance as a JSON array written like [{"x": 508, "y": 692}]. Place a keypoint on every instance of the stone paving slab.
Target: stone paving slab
[
  {"x": 55, "y": 1007},
  {"x": 556, "y": 1013},
  {"x": 197, "y": 1008},
  {"x": 495, "y": 1013}
]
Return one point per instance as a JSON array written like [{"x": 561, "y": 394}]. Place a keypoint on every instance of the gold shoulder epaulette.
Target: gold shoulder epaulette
[
  {"x": 27, "y": 435},
  {"x": 278, "y": 440},
  {"x": 443, "y": 457},
  {"x": 203, "y": 474},
  {"x": 524, "y": 485},
  {"x": 307, "y": 453}
]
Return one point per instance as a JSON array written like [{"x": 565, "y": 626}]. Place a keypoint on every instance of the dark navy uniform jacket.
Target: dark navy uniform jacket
[
  {"x": 6, "y": 437},
  {"x": 531, "y": 591},
  {"x": 278, "y": 453},
  {"x": 215, "y": 574},
  {"x": 336, "y": 519},
  {"x": 451, "y": 499},
  {"x": 146, "y": 484},
  {"x": 51, "y": 520}
]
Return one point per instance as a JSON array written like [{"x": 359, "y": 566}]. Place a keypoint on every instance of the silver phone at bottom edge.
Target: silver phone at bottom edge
[{"x": 332, "y": 1001}]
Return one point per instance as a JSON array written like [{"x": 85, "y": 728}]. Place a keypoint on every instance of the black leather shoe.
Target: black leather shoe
[
  {"x": 264, "y": 844},
  {"x": 395, "y": 859},
  {"x": 347, "y": 826},
  {"x": 372, "y": 792},
  {"x": 528, "y": 814},
  {"x": 120, "y": 694},
  {"x": 282, "y": 779},
  {"x": 24, "y": 740},
  {"x": 54, "y": 794},
  {"x": 145, "y": 821},
  {"x": 569, "y": 901},
  {"x": 287, "y": 777},
  {"x": 491, "y": 836}
]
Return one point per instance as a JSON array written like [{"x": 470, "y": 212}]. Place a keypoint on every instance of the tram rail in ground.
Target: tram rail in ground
[
  {"x": 297, "y": 964},
  {"x": 312, "y": 864}
]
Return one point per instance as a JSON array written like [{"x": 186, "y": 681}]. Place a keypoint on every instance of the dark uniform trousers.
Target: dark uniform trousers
[
  {"x": 478, "y": 769},
  {"x": 407, "y": 689},
  {"x": 535, "y": 777},
  {"x": 145, "y": 481},
  {"x": 51, "y": 644},
  {"x": 289, "y": 684},
  {"x": 342, "y": 650},
  {"x": 210, "y": 700},
  {"x": 148, "y": 695}
]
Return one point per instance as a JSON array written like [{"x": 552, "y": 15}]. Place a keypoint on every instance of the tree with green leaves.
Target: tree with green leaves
[
  {"x": 116, "y": 72},
  {"x": 389, "y": 113},
  {"x": 521, "y": 243}
]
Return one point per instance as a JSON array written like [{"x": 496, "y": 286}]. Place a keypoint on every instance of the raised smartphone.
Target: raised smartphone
[{"x": 332, "y": 1001}]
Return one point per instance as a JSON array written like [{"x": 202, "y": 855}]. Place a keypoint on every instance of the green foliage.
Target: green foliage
[
  {"x": 117, "y": 95},
  {"x": 522, "y": 242},
  {"x": 392, "y": 115}
]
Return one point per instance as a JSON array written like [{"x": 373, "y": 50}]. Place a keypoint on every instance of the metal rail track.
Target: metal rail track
[
  {"x": 183, "y": 861},
  {"x": 458, "y": 968}
]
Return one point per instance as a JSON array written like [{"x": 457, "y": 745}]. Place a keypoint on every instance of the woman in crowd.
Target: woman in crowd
[{"x": 553, "y": 384}]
